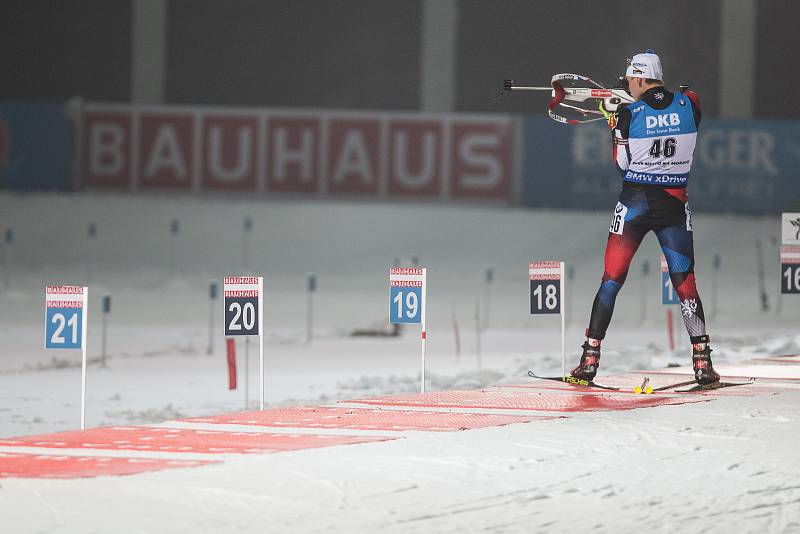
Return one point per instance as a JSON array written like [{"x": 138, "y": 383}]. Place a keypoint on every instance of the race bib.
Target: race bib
[{"x": 618, "y": 221}]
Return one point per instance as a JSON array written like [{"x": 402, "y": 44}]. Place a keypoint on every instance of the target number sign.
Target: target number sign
[
  {"x": 243, "y": 298},
  {"x": 790, "y": 269},
  {"x": 547, "y": 286},
  {"x": 407, "y": 295},
  {"x": 65, "y": 316}
]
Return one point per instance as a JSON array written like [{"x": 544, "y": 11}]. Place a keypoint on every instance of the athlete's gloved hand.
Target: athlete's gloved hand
[{"x": 610, "y": 116}]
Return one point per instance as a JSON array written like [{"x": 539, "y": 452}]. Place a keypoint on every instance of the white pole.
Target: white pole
[
  {"x": 424, "y": 331},
  {"x": 83, "y": 364},
  {"x": 212, "y": 295},
  {"x": 9, "y": 237},
  {"x": 422, "y": 364},
  {"x": 714, "y": 294},
  {"x": 645, "y": 271},
  {"x": 261, "y": 336},
  {"x": 246, "y": 371},
  {"x": 311, "y": 284},
  {"x": 563, "y": 325},
  {"x": 478, "y": 331},
  {"x": 488, "y": 280},
  {"x": 105, "y": 320},
  {"x": 456, "y": 334},
  {"x": 309, "y": 318}
]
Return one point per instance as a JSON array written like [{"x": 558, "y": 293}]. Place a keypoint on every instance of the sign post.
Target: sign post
[
  {"x": 8, "y": 240},
  {"x": 407, "y": 303},
  {"x": 174, "y": 230},
  {"x": 717, "y": 266},
  {"x": 645, "y": 273},
  {"x": 65, "y": 320},
  {"x": 244, "y": 313},
  {"x": 91, "y": 237},
  {"x": 547, "y": 296},
  {"x": 489, "y": 280},
  {"x": 213, "y": 288},
  {"x": 312, "y": 287},
  {"x": 106, "y": 308}
]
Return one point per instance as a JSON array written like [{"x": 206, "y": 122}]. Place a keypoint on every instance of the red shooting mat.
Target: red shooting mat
[
  {"x": 514, "y": 399},
  {"x": 366, "y": 419},
  {"x": 47, "y": 466},
  {"x": 183, "y": 441}
]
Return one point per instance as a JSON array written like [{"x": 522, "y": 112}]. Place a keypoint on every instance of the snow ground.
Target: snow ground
[{"x": 725, "y": 466}]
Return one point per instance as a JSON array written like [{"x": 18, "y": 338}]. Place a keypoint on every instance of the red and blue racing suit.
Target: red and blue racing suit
[{"x": 654, "y": 142}]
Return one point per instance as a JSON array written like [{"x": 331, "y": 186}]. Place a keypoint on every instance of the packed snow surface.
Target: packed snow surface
[{"x": 728, "y": 465}]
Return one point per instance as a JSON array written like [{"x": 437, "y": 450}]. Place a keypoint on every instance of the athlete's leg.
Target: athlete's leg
[
  {"x": 620, "y": 250},
  {"x": 677, "y": 244},
  {"x": 678, "y": 247}
]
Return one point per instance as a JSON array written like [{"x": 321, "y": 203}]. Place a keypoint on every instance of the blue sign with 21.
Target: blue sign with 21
[{"x": 64, "y": 328}]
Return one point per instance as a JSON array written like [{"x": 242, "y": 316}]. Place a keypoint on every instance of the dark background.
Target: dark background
[{"x": 365, "y": 54}]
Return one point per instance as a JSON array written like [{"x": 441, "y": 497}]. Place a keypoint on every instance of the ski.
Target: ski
[
  {"x": 644, "y": 388},
  {"x": 573, "y": 381},
  {"x": 715, "y": 385}
]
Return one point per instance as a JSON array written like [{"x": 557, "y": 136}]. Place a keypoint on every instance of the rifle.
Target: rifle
[{"x": 580, "y": 89}]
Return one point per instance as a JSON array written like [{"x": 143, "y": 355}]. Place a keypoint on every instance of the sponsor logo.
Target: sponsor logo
[
  {"x": 663, "y": 120},
  {"x": 322, "y": 153},
  {"x": 659, "y": 96},
  {"x": 796, "y": 223},
  {"x": 689, "y": 307},
  {"x": 633, "y": 176}
]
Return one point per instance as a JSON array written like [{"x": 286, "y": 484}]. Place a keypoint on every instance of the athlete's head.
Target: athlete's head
[{"x": 644, "y": 72}]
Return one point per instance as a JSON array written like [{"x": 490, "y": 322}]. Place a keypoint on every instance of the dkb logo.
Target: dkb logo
[{"x": 665, "y": 120}]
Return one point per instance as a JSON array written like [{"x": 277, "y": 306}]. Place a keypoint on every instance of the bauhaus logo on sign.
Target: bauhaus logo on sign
[{"x": 376, "y": 155}]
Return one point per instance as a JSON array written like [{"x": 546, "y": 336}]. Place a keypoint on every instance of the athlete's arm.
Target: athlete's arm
[{"x": 622, "y": 154}]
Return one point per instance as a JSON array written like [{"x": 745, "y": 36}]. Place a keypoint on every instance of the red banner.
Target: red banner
[
  {"x": 230, "y": 152},
  {"x": 363, "y": 154},
  {"x": 106, "y": 148},
  {"x": 166, "y": 151},
  {"x": 354, "y": 156}
]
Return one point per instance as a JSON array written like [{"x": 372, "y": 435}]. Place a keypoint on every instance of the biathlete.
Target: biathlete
[{"x": 653, "y": 146}]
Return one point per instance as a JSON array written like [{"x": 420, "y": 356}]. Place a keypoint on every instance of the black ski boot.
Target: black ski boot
[
  {"x": 590, "y": 360},
  {"x": 704, "y": 372}
]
